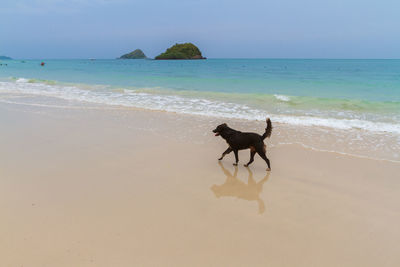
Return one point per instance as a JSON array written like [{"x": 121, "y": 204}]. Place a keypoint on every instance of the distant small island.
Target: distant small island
[
  {"x": 181, "y": 51},
  {"x": 137, "y": 54},
  {"x": 5, "y": 58}
]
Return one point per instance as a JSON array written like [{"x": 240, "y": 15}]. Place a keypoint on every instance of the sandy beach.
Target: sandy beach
[{"x": 125, "y": 187}]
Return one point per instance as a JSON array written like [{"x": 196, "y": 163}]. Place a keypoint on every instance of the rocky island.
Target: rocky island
[
  {"x": 181, "y": 51},
  {"x": 137, "y": 54},
  {"x": 4, "y": 58}
]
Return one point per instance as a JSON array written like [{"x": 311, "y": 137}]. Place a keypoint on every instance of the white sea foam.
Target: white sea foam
[
  {"x": 283, "y": 98},
  {"x": 186, "y": 105},
  {"x": 22, "y": 80}
]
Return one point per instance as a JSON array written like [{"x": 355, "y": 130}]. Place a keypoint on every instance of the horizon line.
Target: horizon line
[{"x": 292, "y": 58}]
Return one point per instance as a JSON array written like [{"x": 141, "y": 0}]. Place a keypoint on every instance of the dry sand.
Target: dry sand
[{"x": 93, "y": 187}]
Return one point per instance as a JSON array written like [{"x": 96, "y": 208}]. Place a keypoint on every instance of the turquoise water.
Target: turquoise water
[{"x": 346, "y": 94}]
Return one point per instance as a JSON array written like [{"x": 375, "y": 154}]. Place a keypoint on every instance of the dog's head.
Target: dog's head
[{"x": 220, "y": 129}]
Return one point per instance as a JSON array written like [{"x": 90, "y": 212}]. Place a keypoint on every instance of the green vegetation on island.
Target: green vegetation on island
[
  {"x": 4, "y": 58},
  {"x": 181, "y": 51},
  {"x": 137, "y": 54}
]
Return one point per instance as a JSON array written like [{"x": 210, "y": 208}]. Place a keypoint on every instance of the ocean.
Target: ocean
[{"x": 359, "y": 97}]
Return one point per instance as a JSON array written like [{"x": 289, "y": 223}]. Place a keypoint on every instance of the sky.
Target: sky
[{"x": 220, "y": 28}]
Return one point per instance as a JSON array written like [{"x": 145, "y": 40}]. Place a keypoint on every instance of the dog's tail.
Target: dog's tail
[{"x": 268, "y": 130}]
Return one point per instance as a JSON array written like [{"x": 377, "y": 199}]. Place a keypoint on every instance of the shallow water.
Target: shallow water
[{"x": 358, "y": 98}]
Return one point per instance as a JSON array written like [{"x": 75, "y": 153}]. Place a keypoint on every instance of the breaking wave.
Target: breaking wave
[{"x": 295, "y": 110}]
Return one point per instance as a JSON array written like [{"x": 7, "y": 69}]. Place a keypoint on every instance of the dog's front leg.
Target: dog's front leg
[
  {"x": 236, "y": 157},
  {"x": 229, "y": 150}
]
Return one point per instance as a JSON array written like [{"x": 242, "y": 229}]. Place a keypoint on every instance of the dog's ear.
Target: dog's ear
[{"x": 225, "y": 125}]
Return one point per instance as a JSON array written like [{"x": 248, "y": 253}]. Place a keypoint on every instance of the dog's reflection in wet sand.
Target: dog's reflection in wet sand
[{"x": 233, "y": 187}]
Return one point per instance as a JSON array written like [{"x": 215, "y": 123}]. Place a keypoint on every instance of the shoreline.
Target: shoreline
[
  {"x": 326, "y": 109},
  {"x": 345, "y": 142}
]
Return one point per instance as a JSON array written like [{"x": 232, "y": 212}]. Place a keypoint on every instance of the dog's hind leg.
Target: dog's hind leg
[
  {"x": 236, "y": 157},
  {"x": 261, "y": 152},
  {"x": 252, "y": 153},
  {"x": 229, "y": 150}
]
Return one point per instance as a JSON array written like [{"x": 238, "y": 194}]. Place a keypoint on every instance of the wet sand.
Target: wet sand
[{"x": 95, "y": 187}]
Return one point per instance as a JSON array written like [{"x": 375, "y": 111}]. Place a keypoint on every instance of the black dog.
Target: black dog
[{"x": 238, "y": 141}]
